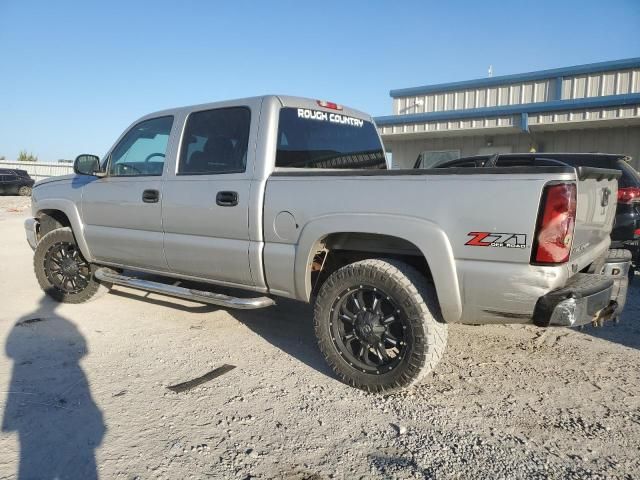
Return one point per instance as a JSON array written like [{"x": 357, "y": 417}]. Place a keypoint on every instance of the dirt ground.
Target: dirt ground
[{"x": 85, "y": 387}]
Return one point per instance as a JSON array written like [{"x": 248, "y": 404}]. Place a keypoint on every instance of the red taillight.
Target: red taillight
[
  {"x": 554, "y": 233},
  {"x": 331, "y": 105},
  {"x": 636, "y": 232},
  {"x": 629, "y": 195}
]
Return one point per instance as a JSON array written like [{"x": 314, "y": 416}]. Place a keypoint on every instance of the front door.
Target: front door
[
  {"x": 206, "y": 203},
  {"x": 122, "y": 212}
]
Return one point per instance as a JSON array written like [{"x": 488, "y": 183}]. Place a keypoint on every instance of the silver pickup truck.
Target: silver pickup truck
[{"x": 291, "y": 197}]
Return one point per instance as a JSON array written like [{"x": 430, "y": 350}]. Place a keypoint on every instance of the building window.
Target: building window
[{"x": 429, "y": 159}]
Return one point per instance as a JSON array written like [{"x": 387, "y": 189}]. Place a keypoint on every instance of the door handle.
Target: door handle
[
  {"x": 227, "y": 199},
  {"x": 150, "y": 196}
]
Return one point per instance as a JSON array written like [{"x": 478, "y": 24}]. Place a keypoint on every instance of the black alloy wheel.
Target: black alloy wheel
[
  {"x": 379, "y": 325},
  {"x": 62, "y": 271},
  {"x": 66, "y": 269},
  {"x": 368, "y": 329}
]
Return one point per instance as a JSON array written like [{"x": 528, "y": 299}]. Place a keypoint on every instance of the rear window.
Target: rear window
[
  {"x": 594, "y": 161},
  {"x": 529, "y": 162},
  {"x": 457, "y": 163},
  {"x": 318, "y": 139}
]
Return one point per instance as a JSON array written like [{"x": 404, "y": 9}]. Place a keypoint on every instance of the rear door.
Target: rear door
[{"x": 206, "y": 199}]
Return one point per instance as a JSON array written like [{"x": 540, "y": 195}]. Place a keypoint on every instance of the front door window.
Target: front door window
[{"x": 142, "y": 150}]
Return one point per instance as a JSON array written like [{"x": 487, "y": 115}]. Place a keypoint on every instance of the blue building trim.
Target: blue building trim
[
  {"x": 519, "y": 77},
  {"x": 524, "y": 122},
  {"x": 558, "y": 88},
  {"x": 553, "y": 106}
]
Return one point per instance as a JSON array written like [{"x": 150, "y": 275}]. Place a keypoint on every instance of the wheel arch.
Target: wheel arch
[
  {"x": 51, "y": 213},
  {"x": 375, "y": 236}
]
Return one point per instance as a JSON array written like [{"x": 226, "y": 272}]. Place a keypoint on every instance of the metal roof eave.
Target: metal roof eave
[
  {"x": 538, "y": 107},
  {"x": 519, "y": 77}
]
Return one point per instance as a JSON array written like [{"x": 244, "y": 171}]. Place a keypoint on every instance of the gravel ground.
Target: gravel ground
[{"x": 89, "y": 384}]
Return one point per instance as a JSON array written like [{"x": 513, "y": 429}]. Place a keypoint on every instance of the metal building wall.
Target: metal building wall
[
  {"x": 597, "y": 84},
  {"x": 625, "y": 140},
  {"x": 601, "y": 84},
  {"x": 528, "y": 92}
]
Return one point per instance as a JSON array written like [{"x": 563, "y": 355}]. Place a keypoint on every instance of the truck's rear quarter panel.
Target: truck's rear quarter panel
[{"x": 494, "y": 283}]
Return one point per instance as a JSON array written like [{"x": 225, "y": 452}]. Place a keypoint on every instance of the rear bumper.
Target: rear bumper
[
  {"x": 588, "y": 297},
  {"x": 585, "y": 299},
  {"x": 31, "y": 229}
]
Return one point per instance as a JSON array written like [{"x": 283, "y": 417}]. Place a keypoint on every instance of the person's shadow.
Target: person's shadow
[{"x": 49, "y": 402}]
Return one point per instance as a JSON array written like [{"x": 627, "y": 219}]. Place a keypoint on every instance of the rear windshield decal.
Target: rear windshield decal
[{"x": 329, "y": 117}]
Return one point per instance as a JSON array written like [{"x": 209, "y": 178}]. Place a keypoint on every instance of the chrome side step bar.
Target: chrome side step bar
[{"x": 109, "y": 276}]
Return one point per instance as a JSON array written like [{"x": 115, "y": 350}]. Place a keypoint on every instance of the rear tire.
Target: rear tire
[
  {"x": 379, "y": 326},
  {"x": 62, "y": 271},
  {"x": 24, "y": 191}
]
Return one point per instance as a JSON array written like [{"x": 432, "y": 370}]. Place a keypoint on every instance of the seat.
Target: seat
[{"x": 217, "y": 156}]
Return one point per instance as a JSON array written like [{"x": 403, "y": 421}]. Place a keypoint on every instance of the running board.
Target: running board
[{"x": 109, "y": 276}]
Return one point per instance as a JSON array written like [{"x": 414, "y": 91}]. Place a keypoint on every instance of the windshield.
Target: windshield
[{"x": 318, "y": 139}]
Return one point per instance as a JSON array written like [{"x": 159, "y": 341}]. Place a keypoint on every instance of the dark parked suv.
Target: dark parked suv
[
  {"x": 15, "y": 182},
  {"x": 626, "y": 230}
]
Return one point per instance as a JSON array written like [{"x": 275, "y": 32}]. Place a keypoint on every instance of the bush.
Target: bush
[{"x": 23, "y": 156}]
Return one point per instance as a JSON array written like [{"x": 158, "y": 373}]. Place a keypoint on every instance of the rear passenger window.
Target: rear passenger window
[{"x": 215, "y": 141}]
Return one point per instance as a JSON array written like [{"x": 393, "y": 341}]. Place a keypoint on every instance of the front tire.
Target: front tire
[
  {"x": 62, "y": 271},
  {"x": 379, "y": 326},
  {"x": 24, "y": 191}
]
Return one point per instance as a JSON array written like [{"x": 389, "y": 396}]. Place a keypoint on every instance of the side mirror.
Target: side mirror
[{"x": 86, "y": 164}]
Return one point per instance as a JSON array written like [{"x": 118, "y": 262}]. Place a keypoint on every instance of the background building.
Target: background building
[{"x": 586, "y": 108}]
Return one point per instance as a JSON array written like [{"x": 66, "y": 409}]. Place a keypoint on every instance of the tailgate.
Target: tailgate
[{"x": 596, "y": 209}]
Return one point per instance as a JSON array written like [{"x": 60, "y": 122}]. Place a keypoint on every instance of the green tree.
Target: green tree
[{"x": 23, "y": 156}]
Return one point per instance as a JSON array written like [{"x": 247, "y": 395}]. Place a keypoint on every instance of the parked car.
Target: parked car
[
  {"x": 15, "y": 182},
  {"x": 626, "y": 228},
  {"x": 290, "y": 197}
]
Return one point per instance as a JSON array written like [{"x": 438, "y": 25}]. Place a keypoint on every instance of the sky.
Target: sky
[{"x": 74, "y": 75}]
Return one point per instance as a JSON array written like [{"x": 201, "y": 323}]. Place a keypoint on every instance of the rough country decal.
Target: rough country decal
[
  {"x": 500, "y": 240},
  {"x": 329, "y": 117}
]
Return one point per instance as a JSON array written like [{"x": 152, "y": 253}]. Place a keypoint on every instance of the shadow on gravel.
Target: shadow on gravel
[
  {"x": 289, "y": 327},
  {"x": 49, "y": 402},
  {"x": 141, "y": 296},
  {"x": 627, "y": 332}
]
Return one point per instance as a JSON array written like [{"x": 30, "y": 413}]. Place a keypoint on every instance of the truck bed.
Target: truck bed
[{"x": 437, "y": 211}]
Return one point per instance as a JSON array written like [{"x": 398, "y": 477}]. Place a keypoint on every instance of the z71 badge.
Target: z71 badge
[{"x": 500, "y": 240}]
